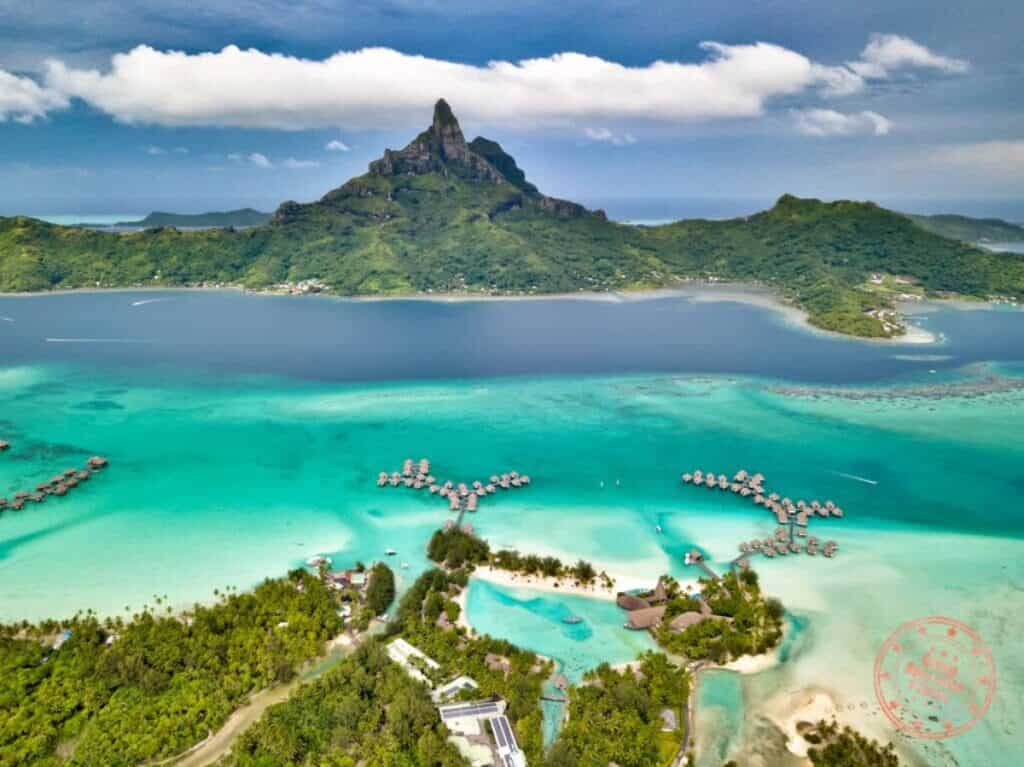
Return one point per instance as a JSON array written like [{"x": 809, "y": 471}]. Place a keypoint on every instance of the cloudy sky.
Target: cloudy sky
[{"x": 652, "y": 108}]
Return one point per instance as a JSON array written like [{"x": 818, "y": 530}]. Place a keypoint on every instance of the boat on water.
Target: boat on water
[
  {"x": 405, "y": 565},
  {"x": 657, "y": 529},
  {"x": 390, "y": 552},
  {"x": 572, "y": 619}
]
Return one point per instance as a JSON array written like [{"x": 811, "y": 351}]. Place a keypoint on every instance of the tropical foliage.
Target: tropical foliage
[
  {"x": 120, "y": 692},
  {"x": 752, "y": 623},
  {"x": 615, "y": 717}
]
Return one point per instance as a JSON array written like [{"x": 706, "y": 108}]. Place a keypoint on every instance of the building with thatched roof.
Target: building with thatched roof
[
  {"x": 631, "y": 602},
  {"x": 645, "y": 618}
]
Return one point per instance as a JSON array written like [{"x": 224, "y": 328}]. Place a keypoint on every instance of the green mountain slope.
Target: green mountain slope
[
  {"x": 446, "y": 215},
  {"x": 969, "y": 229}
]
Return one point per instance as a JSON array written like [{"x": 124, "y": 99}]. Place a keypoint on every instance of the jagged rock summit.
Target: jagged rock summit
[{"x": 442, "y": 148}]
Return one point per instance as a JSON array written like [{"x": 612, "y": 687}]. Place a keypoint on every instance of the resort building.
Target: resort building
[
  {"x": 469, "y": 723},
  {"x": 453, "y": 688},
  {"x": 412, "y": 660}
]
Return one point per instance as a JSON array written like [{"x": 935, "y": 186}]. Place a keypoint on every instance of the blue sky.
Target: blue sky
[{"x": 711, "y": 108}]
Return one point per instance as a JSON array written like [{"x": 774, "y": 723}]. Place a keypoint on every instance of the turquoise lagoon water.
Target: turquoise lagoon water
[
  {"x": 223, "y": 477},
  {"x": 533, "y": 620}
]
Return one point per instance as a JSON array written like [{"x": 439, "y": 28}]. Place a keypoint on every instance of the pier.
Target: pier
[
  {"x": 792, "y": 517},
  {"x": 462, "y": 497},
  {"x": 59, "y": 485}
]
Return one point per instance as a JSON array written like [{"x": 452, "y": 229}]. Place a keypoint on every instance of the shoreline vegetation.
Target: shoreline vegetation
[{"x": 447, "y": 216}]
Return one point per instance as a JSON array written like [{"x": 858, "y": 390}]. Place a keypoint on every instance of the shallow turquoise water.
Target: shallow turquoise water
[
  {"x": 533, "y": 620},
  {"x": 223, "y": 480},
  {"x": 719, "y": 716}
]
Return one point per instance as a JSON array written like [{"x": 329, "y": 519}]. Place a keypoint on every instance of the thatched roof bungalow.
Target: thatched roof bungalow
[{"x": 645, "y": 618}]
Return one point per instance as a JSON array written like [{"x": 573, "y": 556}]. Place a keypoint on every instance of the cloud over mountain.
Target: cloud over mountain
[{"x": 381, "y": 87}]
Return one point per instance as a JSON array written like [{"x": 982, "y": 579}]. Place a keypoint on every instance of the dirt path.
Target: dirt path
[{"x": 219, "y": 743}]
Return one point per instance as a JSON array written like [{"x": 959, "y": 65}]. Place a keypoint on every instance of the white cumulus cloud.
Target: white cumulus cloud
[
  {"x": 294, "y": 164},
  {"x": 155, "y": 150},
  {"x": 337, "y": 145},
  {"x": 260, "y": 160},
  {"x": 384, "y": 88},
  {"x": 607, "y": 136},
  {"x": 828, "y": 122},
  {"x": 23, "y": 100},
  {"x": 378, "y": 87},
  {"x": 887, "y": 53}
]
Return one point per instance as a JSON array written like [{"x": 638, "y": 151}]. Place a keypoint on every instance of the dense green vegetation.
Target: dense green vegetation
[
  {"x": 364, "y": 711},
  {"x": 119, "y": 692},
  {"x": 455, "y": 548},
  {"x": 550, "y": 567},
  {"x": 835, "y": 747},
  {"x": 968, "y": 229},
  {"x": 754, "y": 622},
  {"x": 380, "y": 590},
  {"x": 615, "y": 717},
  {"x": 465, "y": 219}
]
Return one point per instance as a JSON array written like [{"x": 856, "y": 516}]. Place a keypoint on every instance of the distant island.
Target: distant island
[
  {"x": 967, "y": 229},
  {"x": 444, "y": 215},
  {"x": 237, "y": 218}
]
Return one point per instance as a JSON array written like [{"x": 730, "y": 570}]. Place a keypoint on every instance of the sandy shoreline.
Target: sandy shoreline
[
  {"x": 509, "y": 579},
  {"x": 697, "y": 291}
]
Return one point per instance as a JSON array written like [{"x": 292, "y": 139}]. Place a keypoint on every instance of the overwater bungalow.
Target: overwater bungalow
[
  {"x": 829, "y": 505},
  {"x": 453, "y": 502},
  {"x": 837, "y": 512},
  {"x": 744, "y": 547},
  {"x": 17, "y": 504},
  {"x": 424, "y": 466},
  {"x": 70, "y": 482},
  {"x": 722, "y": 478},
  {"x": 757, "y": 479},
  {"x": 37, "y": 497},
  {"x": 741, "y": 476},
  {"x": 382, "y": 479},
  {"x": 430, "y": 479},
  {"x": 815, "y": 505},
  {"x": 759, "y": 499},
  {"x": 745, "y": 492},
  {"x": 4, "y": 445},
  {"x": 433, "y": 489},
  {"x": 687, "y": 478},
  {"x": 773, "y": 497},
  {"x": 794, "y": 547},
  {"x": 448, "y": 485},
  {"x": 494, "y": 478},
  {"x": 491, "y": 488},
  {"x": 444, "y": 492},
  {"x": 407, "y": 481},
  {"x": 769, "y": 551},
  {"x": 513, "y": 474},
  {"x": 21, "y": 495},
  {"x": 463, "y": 490},
  {"x": 781, "y": 548},
  {"x": 525, "y": 479},
  {"x": 481, "y": 492},
  {"x": 782, "y": 516},
  {"x": 471, "y": 503},
  {"x": 755, "y": 545},
  {"x": 60, "y": 490},
  {"x": 418, "y": 484},
  {"x": 97, "y": 462},
  {"x": 516, "y": 482}
]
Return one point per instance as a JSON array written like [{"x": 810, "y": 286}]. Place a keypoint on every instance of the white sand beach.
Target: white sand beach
[{"x": 621, "y": 582}]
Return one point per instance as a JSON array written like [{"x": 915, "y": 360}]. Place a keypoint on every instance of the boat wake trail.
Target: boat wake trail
[
  {"x": 145, "y": 301},
  {"x": 6, "y": 319},
  {"x": 97, "y": 341},
  {"x": 865, "y": 480}
]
